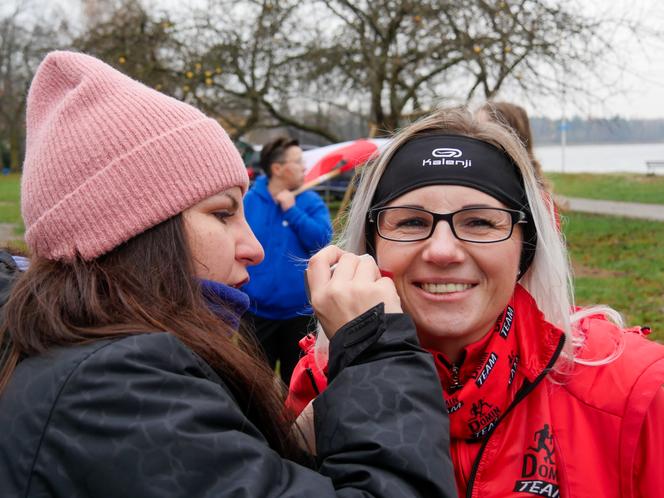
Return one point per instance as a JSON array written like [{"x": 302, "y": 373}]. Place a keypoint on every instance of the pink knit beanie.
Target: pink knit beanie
[{"x": 108, "y": 158}]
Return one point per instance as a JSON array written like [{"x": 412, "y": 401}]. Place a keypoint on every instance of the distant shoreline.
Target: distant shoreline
[
  {"x": 599, "y": 157},
  {"x": 545, "y": 143},
  {"x": 595, "y": 131}
]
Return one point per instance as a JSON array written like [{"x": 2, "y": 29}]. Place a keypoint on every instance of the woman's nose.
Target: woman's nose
[
  {"x": 249, "y": 250},
  {"x": 443, "y": 247}
]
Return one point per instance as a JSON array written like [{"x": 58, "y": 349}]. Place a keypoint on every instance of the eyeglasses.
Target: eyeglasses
[
  {"x": 297, "y": 162},
  {"x": 480, "y": 225}
]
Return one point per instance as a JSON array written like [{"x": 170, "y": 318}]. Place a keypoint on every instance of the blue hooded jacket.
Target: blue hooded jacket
[{"x": 289, "y": 238}]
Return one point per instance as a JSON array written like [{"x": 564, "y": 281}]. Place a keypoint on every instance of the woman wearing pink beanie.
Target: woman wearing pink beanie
[{"x": 121, "y": 369}]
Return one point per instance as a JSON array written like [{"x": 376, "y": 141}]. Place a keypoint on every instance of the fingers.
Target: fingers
[
  {"x": 286, "y": 199},
  {"x": 319, "y": 270},
  {"x": 351, "y": 266},
  {"x": 367, "y": 269},
  {"x": 345, "y": 268},
  {"x": 392, "y": 300},
  {"x": 352, "y": 287}
]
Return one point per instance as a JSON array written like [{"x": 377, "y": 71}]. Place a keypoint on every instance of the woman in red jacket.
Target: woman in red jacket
[{"x": 543, "y": 400}]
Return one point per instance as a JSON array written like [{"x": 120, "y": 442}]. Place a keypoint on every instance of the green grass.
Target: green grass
[
  {"x": 10, "y": 186},
  {"x": 614, "y": 187},
  {"x": 10, "y": 210},
  {"x": 619, "y": 262}
]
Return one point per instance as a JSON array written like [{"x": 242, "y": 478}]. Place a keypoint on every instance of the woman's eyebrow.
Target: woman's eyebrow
[
  {"x": 465, "y": 206},
  {"x": 478, "y": 205},
  {"x": 234, "y": 202}
]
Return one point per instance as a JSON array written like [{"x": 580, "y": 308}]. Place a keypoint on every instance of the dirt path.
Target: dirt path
[
  {"x": 6, "y": 233},
  {"x": 613, "y": 208}
]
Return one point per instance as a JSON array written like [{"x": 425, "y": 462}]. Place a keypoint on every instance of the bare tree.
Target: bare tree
[
  {"x": 246, "y": 61},
  {"x": 140, "y": 43},
  {"x": 532, "y": 44},
  {"x": 384, "y": 61},
  {"x": 24, "y": 40},
  {"x": 403, "y": 56},
  {"x": 332, "y": 68}
]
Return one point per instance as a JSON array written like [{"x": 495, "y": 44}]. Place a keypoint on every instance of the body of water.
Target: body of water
[{"x": 600, "y": 158}]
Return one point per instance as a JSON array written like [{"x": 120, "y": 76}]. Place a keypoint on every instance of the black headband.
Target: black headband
[
  {"x": 452, "y": 160},
  {"x": 458, "y": 160}
]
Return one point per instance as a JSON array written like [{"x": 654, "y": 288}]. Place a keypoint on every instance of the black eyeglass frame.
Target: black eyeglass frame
[{"x": 516, "y": 215}]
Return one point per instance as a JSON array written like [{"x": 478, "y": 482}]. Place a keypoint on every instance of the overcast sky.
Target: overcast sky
[{"x": 636, "y": 77}]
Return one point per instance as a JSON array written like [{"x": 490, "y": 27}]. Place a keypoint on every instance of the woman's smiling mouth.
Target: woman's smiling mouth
[{"x": 445, "y": 288}]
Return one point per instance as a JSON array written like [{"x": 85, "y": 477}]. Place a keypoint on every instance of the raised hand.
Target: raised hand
[
  {"x": 353, "y": 287},
  {"x": 286, "y": 199}
]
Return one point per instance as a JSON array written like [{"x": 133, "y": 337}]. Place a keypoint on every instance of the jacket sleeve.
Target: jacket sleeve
[
  {"x": 311, "y": 223},
  {"x": 649, "y": 467},
  {"x": 381, "y": 423},
  {"x": 144, "y": 416}
]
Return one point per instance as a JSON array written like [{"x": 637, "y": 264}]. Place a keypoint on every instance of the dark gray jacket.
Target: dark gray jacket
[{"x": 143, "y": 416}]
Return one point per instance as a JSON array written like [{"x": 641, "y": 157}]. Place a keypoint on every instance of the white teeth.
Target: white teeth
[{"x": 445, "y": 288}]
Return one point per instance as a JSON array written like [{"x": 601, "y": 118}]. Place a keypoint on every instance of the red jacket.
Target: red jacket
[{"x": 597, "y": 432}]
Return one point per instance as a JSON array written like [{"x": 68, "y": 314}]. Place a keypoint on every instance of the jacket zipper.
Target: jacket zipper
[
  {"x": 312, "y": 379},
  {"x": 455, "y": 370},
  {"x": 525, "y": 390},
  {"x": 456, "y": 384}
]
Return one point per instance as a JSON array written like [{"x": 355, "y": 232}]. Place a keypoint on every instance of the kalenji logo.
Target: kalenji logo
[
  {"x": 443, "y": 152},
  {"x": 445, "y": 156}
]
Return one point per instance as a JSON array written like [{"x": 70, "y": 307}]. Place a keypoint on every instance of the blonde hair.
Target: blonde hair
[{"x": 548, "y": 279}]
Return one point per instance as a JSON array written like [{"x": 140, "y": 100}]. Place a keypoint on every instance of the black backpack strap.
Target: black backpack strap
[{"x": 9, "y": 272}]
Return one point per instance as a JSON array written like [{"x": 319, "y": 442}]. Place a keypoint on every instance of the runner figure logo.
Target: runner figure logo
[
  {"x": 484, "y": 417},
  {"x": 539, "y": 473},
  {"x": 542, "y": 437},
  {"x": 477, "y": 409}
]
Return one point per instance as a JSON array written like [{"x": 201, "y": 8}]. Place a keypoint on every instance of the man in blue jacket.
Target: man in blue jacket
[{"x": 291, "y": 228}]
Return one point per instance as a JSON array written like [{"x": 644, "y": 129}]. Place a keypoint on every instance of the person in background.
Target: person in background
[
  {"x": 122, "y": 373},
  {"x": 515, "y": 118},
  {"x": 291, "y": 228},
  {"x": 544, "y": 399}
]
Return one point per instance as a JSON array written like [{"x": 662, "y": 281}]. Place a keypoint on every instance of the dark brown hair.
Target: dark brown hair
[
  {"x": 145, "y": 285},
  {"x": 273, "y": 152},
  {"x": 516, "y": 118}
]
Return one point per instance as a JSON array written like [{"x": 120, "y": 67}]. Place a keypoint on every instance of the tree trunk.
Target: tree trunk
[{"x": 15, "y": 148}]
